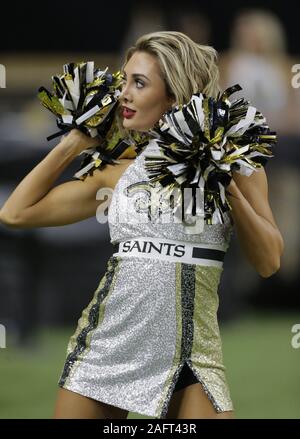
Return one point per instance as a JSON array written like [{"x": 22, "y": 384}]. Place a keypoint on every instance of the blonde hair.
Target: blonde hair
[{"x": 187, "y": 67}]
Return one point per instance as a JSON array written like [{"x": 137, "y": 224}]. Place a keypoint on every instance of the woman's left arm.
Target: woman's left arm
[{"x": 257, "y": 231}]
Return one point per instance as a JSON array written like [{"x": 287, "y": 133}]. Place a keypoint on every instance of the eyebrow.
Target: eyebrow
[{"x": 136, "y": 75}]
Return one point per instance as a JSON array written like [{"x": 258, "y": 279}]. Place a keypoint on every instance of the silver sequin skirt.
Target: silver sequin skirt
[{"x": 147, "y": 320}]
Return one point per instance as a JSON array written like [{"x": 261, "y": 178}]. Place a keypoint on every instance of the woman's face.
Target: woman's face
[{"x": 143, "y": 98}]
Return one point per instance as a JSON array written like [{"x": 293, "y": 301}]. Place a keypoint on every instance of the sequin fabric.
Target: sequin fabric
[
  {"x": 134, "y": 211},
  {"x": 149, "y": 318}
]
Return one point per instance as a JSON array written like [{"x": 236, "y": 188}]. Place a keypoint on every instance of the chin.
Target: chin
[{"x": 130, "y": 125}]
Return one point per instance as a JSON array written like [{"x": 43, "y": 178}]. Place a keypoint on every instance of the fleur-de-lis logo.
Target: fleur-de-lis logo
[
  {"x": 152, "y": 198},
  {"x": 165, "y": 205}
]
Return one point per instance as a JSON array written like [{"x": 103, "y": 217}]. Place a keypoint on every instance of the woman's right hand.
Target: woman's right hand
[{"x": 77, "y": 141}]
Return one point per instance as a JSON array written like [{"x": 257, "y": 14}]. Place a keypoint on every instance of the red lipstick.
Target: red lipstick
[{"x": 128, "y": 113}]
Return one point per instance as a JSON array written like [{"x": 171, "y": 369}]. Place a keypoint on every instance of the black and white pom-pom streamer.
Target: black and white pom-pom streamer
[{"x": 203, "y": 141}]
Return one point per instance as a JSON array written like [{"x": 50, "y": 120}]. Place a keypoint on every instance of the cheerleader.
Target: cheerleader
[{"x": 149, "y": 340}]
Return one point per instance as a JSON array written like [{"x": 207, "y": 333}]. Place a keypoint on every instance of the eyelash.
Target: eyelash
[{"x": 137, "y": 81}]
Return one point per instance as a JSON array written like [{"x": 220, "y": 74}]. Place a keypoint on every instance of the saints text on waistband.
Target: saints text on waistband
[{"x": 163, "y": 248}]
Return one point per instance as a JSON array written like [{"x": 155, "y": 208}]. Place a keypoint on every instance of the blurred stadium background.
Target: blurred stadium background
[{"x": 48, "y": 275}]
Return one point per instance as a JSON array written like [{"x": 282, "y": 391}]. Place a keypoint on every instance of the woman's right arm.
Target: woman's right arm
[{"x": 36, "y": 203}]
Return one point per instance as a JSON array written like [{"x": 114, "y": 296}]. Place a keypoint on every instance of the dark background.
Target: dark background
[{"x": 101, "y": 26}]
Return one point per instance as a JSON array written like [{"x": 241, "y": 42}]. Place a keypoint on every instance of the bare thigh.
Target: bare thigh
[
  {"x": 71, "y": 405},
  {"x": 193, "y": 403}
]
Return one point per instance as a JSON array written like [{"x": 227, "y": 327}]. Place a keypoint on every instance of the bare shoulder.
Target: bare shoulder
[
  {"x": 250, "y": 185},
  {"x": 110, "y": 174}
]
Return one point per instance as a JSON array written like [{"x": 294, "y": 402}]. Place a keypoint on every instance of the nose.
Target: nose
[{"x": 125, "y": 95}]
